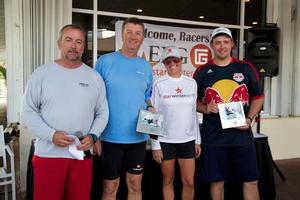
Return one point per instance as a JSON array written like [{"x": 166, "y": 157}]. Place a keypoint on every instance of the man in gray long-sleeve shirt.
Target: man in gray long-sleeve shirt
[{"x": 63, "y": 99}]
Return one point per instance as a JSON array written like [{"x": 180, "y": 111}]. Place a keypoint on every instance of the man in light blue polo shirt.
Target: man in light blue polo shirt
[{"x": 128, "y": 80}]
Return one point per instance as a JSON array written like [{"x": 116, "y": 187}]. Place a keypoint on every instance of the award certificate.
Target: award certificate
[
  {"x": 232, "y": 114},
  {"x": 150, "y": 123}
]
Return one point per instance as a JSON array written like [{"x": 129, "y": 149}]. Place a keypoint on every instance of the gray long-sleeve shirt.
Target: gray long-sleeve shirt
[{"x": 62, "y": 99}]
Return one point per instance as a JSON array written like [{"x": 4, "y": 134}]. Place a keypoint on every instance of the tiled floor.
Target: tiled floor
[{"x": 289, "y": 189}]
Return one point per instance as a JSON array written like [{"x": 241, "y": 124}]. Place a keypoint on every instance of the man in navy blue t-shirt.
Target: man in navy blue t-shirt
[{"x": 227, "y": 154}]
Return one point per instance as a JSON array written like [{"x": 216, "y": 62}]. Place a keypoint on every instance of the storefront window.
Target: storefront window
[
  {"x": 106, "y": 34},
  {"x": 107, "y": 24},
  {"x": 86, "y": 21},
  {"x": 225, "y": 12},
  {"x": 86, "y": 4},
  {"x": 216, "y": 11},
  {"x": 254, "y": 11}
]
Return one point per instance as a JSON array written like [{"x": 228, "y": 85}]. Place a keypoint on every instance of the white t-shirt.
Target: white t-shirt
[{"x": 176, "y": 98}]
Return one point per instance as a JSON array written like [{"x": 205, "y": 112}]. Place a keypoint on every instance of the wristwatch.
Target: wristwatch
[{"x": 94, "y": 137}]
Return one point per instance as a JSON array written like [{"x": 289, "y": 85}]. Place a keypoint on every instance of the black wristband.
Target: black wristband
[
  {"x": 149, "y": 106},
  {"x": 154, "y": 137}
]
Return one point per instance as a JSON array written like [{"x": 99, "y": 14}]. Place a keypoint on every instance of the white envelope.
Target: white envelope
[{"x": 77, "y": 154}]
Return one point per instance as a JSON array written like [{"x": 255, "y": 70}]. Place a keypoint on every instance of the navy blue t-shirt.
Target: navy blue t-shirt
[{"x": 237, "y": 81}]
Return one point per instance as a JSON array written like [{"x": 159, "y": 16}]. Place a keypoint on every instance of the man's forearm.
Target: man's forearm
[{"x": 255, "y": 107}]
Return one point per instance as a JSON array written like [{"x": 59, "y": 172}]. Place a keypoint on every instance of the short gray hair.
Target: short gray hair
[{"x": 72, "y": 26}]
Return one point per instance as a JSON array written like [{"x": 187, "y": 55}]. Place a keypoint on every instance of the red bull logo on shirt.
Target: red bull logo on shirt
[{"x": 225, "y": 91}]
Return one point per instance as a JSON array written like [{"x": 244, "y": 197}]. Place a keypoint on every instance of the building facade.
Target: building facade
[{"x": 31, "y": 27}]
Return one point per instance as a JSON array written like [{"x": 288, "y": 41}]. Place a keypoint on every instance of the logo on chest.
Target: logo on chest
[
  {"x": 178, "y": 90},
  {"x": 177, "y": 93},
  {"x": 238, "y": 77},
  {"x": 84, "y": 84}
]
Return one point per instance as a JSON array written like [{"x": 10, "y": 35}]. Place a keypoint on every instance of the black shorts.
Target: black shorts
[
  {"x": 228, "y": 163},
  {"x": 178, "y": 150},
  {"x": 114, "y": 156}
]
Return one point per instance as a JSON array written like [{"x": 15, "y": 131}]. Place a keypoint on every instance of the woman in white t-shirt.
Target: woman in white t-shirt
[{"x": 174, "y": 95}]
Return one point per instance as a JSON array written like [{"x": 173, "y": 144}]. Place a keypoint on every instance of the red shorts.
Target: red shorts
[{"x": 62, "y": 178}]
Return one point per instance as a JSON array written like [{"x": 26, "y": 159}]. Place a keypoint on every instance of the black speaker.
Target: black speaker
[{"x": 262, "y": 49}]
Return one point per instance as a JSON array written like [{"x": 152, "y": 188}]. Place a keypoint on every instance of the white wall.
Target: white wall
[{"x": 283, "y": 135}]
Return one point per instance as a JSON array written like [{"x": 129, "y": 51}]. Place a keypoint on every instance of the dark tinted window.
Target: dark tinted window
[
  {"x": 218, "y": 11},
  {"x": 86, "y": 21},
  {"x": 255, "y": 12},
  {"x": 86, "y": 4}
]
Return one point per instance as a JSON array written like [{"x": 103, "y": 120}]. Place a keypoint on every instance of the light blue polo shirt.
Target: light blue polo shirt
[{"x": 128, "y": 84}]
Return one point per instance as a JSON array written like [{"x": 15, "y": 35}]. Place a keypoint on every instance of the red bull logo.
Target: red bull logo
[
  {"x": 225, "y": 91},
  {"x": 212, "y": 95},
  {"x": 240, "y": 94}
]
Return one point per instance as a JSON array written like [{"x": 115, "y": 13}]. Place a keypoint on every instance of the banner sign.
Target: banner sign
[{"x": 193, "y": 43}]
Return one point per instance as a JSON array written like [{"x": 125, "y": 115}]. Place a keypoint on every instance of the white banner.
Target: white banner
[{"x": 194, "y": 44}]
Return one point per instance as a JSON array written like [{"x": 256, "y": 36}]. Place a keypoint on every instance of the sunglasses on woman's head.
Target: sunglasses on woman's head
[{"x": 174, "y": 60}]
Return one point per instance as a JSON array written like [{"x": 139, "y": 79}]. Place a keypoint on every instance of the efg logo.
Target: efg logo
[{"x": 200, "y": 54}]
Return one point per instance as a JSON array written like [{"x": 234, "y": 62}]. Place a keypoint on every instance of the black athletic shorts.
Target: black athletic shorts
[
  {"x": 178, "y": 150},
  {"x": 115, "y": 156}
]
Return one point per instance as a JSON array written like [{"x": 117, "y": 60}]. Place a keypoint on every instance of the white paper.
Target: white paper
[
  {"x": 232, "y": 114},
  {"x": 77, "y": 154},
  {"x": 150, "y": 123}
]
